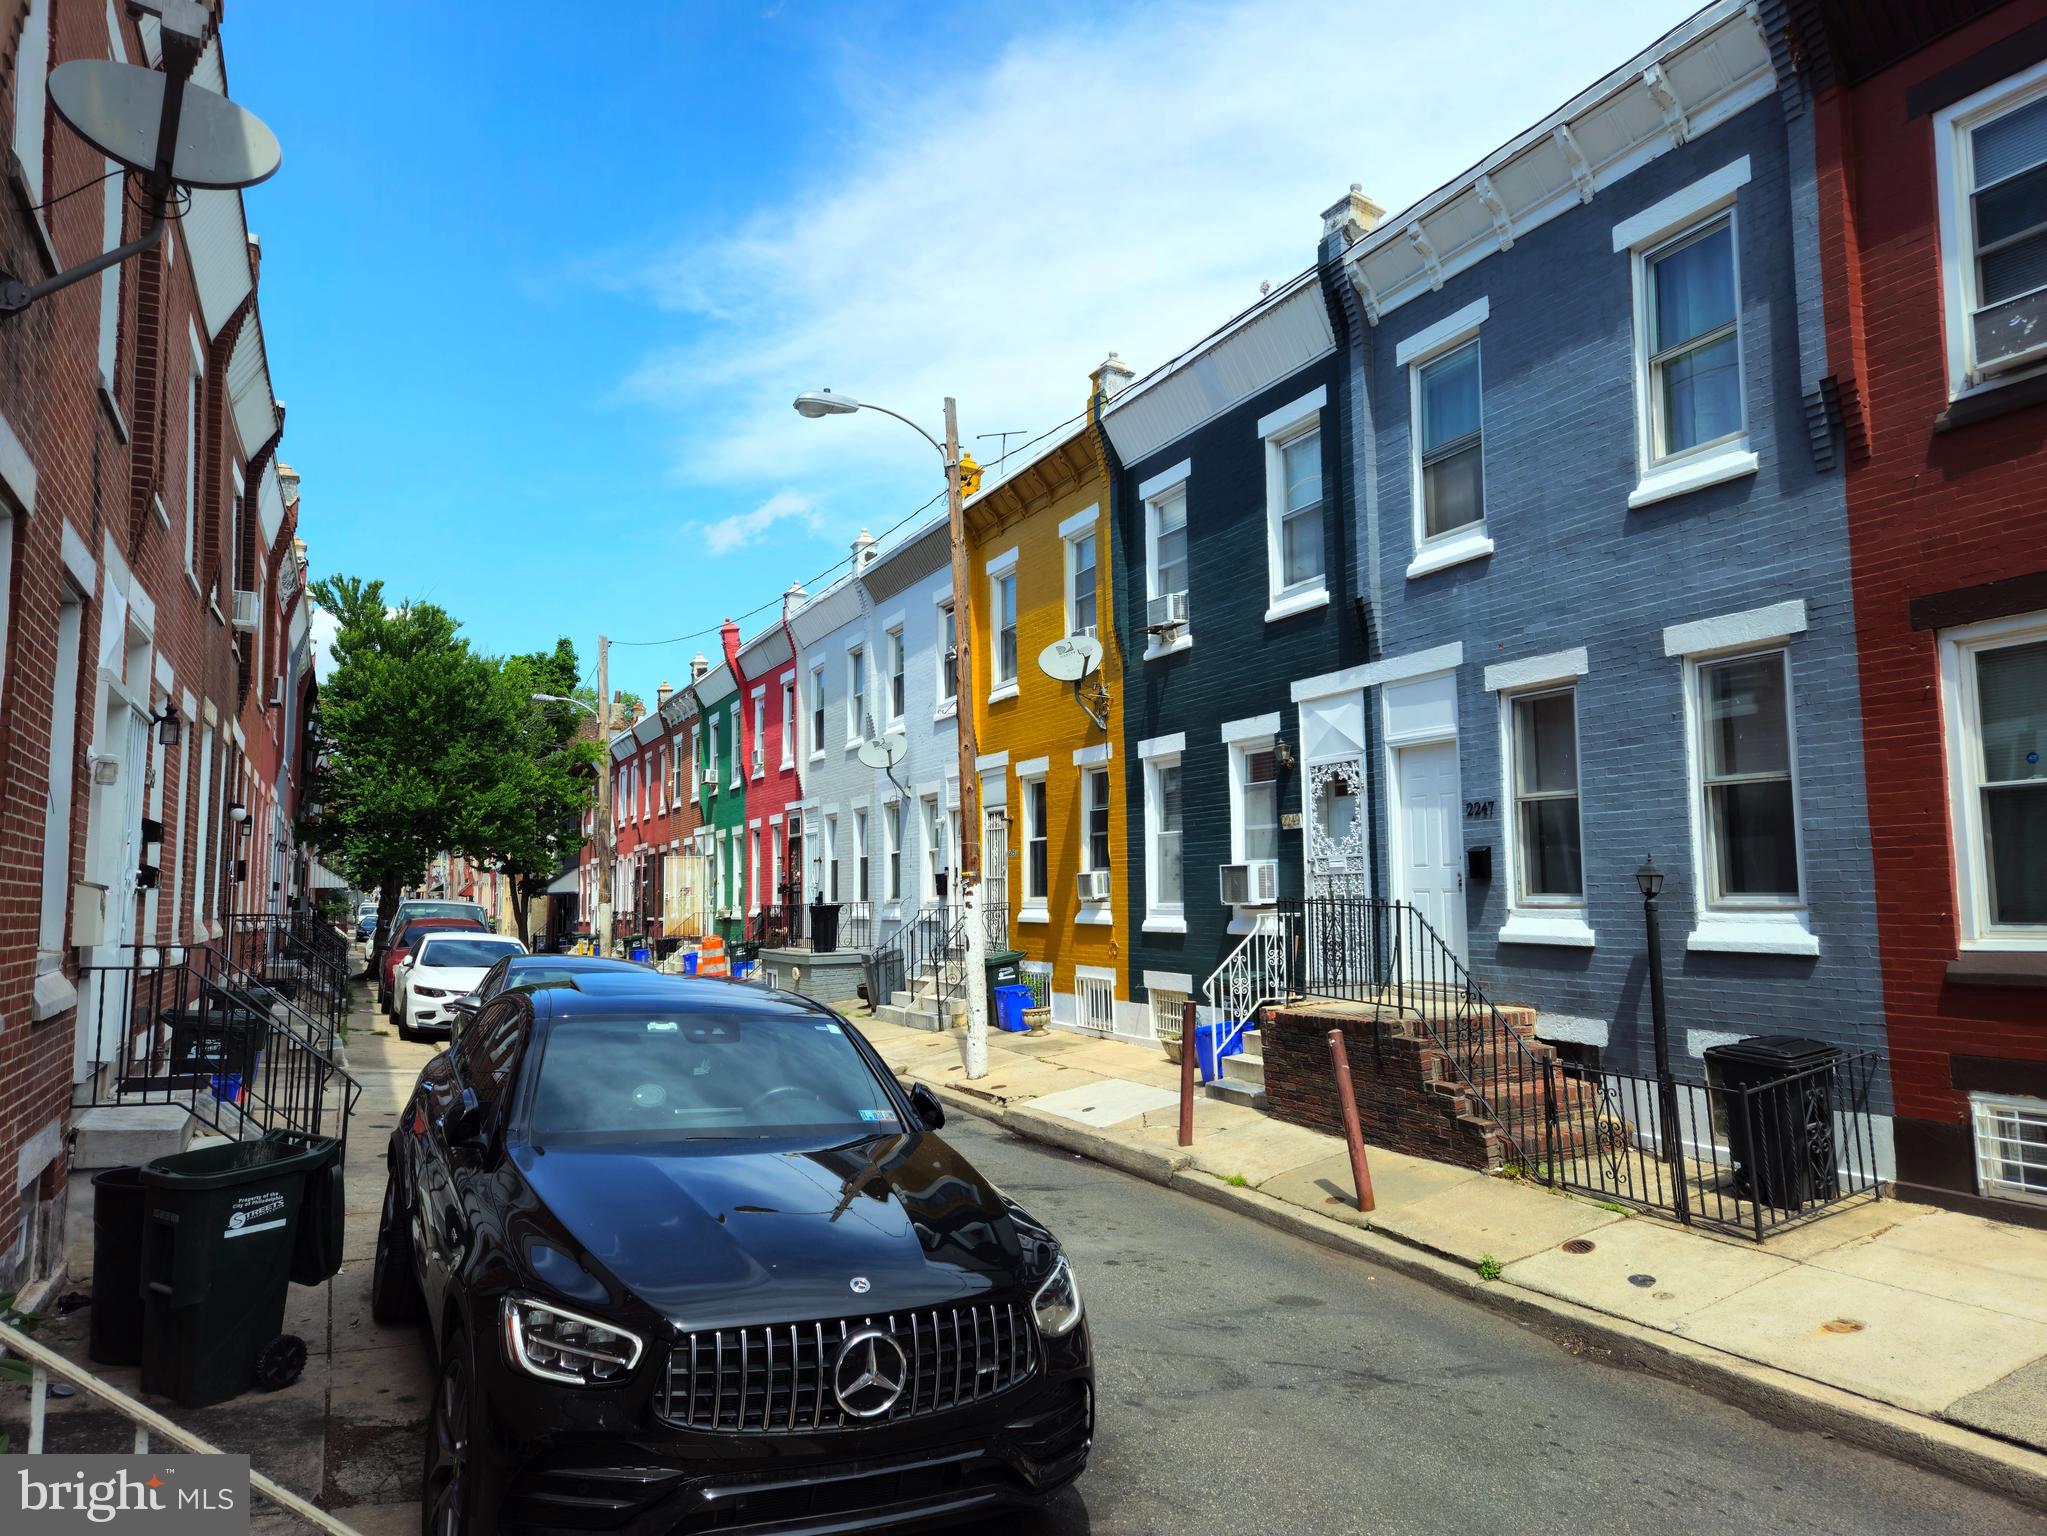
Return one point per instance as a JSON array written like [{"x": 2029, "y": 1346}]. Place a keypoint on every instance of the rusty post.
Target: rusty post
[
  {"x": 1187, "y": 1074},
  {"x": 1360, "y": 1171}
]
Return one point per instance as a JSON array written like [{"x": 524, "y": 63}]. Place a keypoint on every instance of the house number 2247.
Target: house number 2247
[{"x": 1478, "y": 810}]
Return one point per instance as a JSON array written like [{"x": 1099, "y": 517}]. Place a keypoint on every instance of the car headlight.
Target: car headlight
[
  {"x": 1057, "y": 1304},
  {"x": 559, "y": 1345},
  {"x": 419, "y": 991}
]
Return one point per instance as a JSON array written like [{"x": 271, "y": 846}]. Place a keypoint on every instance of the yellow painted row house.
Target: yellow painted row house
[{"x": 1038, "y": 546}]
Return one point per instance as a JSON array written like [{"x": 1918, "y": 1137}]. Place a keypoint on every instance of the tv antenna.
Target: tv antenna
[
  {"x": 1073, "y": 660},
  {"x": 1003, "y": 452},
  {"x": 884, "y": 752},
  {"x": 159, "y": 124}
]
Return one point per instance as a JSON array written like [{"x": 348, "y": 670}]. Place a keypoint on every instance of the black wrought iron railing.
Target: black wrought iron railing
[
  {"x": 927, "y": 946},
  {"x": 303, "y": 960},
  {"x": 195, "y": 1029},
  {"x": 858, "y": 925}
]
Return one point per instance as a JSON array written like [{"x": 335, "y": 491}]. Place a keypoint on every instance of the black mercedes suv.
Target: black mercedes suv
[{"x": 693, "y": 1260}]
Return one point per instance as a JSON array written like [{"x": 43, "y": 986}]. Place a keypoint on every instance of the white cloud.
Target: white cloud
[
  {"x": 323, "y": 628},
  {"x": 741, "y": 529},
  {"x": 1123, "y": 183}
]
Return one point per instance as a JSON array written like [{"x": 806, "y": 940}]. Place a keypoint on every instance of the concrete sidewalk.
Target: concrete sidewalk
[{"x": 1920, "y": 1331}]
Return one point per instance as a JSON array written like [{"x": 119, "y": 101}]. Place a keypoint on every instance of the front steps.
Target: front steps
[
  {"x": 1243, "y": 1076},
  {"x": 129, "y": 1135},
  {"x": 918, "y": 1008}
]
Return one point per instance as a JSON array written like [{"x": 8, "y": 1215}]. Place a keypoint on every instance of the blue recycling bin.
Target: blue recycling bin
[
  {"x": 1205, "y": 1058},
  {"x": 689, "y": 963},
  {"x": 1010, "y": 1002}
]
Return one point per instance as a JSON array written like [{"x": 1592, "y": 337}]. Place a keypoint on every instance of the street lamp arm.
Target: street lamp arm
[
  {"x": 866, "y": 405},
  {"x": 562, "y": 698}
]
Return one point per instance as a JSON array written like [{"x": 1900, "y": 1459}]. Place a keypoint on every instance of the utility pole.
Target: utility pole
[
  {"x": 605, "y": 830},
  {"x": 970, "y": 781}
]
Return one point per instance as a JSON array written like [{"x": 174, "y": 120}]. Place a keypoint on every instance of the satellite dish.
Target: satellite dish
[
  {"x": 883, "y": 751},
  {"x": 118, "y": 109},
  {"x": 1071, "y": 659}
]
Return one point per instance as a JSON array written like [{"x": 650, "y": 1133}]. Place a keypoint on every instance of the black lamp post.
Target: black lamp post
[{"x": 1650, "y": 881}]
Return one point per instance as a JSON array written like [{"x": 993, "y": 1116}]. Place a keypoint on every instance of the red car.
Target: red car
[{"x": 408, "y": 937}]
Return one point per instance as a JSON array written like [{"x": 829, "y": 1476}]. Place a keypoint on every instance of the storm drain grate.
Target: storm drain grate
[{"x": 1579, "y": 1245}]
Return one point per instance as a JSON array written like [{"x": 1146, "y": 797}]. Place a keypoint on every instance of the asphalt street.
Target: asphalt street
[{"x": 1251, "y": 1382}]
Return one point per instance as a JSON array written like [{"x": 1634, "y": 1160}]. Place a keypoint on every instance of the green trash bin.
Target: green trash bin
[
  {"x": 220, "y": 1243},
  {"x": 217, "y": 1039},
  {"x": 117, "y": 1201},
  {"x": 1005, "y": 969}
]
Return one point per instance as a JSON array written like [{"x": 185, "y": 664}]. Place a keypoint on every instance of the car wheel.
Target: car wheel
[
  {"x": 446, "y": 1494},
  {"x": 405, "y": 1024},
  {"x": 394, "y": 1291}
]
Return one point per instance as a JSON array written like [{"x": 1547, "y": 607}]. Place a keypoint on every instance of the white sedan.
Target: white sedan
[{"x": 445, "y": 966}]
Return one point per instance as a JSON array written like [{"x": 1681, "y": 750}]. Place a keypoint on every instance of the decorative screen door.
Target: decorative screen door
[{"x": 1337, "y": 924}]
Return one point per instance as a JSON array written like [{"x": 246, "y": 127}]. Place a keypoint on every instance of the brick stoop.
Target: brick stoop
[{"x": 1409, "y": 1095}]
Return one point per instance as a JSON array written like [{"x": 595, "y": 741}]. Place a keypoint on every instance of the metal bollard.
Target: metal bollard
[
  {"x": 1187, "y": 1074},
  {"x": 1360, "y": 1172}
]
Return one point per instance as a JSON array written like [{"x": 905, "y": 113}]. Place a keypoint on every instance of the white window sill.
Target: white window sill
[
  {"x": 1159, "y": 923},
  {"x": 1472, "y": 544},
  {"x": 1095, "y": 916},
  {"x": 54, "y": 994},
  {"x": 1730, "y": 462},
  {"x": 1754, "y": 933},
  {"x": 113, "y": 409},
  {"x": 1568, "y": 929},
  {"x": 946, "y": 711},
  {"x": 162, "y": 513},
  {"x": 1295, "y": 604},
  {"x": 1001, "y": 691},
  {"x": 817, "y": 756},
  {"x": 1173, "y": 647},
  {"x": 1034, "y": 915},
  {"x": 788, "y": 763}
]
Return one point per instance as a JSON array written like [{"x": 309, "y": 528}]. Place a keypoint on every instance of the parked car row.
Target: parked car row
[{"x": 689, "y": 1255}]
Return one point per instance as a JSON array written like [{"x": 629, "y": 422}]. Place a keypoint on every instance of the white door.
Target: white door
[{"x": 1431, "y": 868}]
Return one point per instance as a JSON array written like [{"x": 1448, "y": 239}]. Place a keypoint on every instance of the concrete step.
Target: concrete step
[
  {"x": 909, "y": 1018},
  {"x": 1231, "y": 1090},
  {"x": 1245, "y": 1069},
  {"x": 124, "y": 1135}
]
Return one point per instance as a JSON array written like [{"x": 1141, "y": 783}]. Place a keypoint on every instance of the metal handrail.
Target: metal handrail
[
  {"x": 1238, "y": 988},
  {"x": 45, "y": 1363}
]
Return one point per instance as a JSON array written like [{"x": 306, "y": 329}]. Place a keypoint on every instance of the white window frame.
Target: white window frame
[
  {"x": 1084, "y": 524},
  {"x": 1643, "y": 237},
  {"x": 753, "y": 868},
  {"x": 32, "y": 99},
  {"x": 946, "y": 683},
  {"x": 113, "y": 208},
  {"x": 788, "y": 721},
  {"x": 1983, "y": 1107},
  {"x": 892, "y": 850},
  {"x": 930, "y": 810},
  {"x": 897, "y": 679},
  {"x": 760, "y": 733},
  {"x": 1033, "y": 907},
  {"x": 830, "y": 838},
  {"x": 1003, "y": 569},
  {"x": 863, "y": 862},
  {"x": 1097, "y": 981},
  {"x": 1961, "y": 730},
  {"x": 1167, "y": 485},
  {"x": 51, "y": 938},
  {"x": 1953, "y": 171},
  {"x": 856, "y": 693},
  {"x": 696, "y": 762},
  {"x": 1277, "y": 431},
  {"x": 195, "y": 399},
  {"x": 1094, "y": 777},
  {"x": 1416, "y": 354},
  {"x": 1544, "y": 920},
  {"x": 817, "y": 713},
  {"x": 1157, "y": 756},
  {"x": 711, "y": 773}
]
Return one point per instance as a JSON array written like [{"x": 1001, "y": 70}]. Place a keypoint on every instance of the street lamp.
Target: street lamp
[
  {"x": 1649, "y": 880},
  {"x": 562, "y": 698},
  {"x": 813, "y": 404}
]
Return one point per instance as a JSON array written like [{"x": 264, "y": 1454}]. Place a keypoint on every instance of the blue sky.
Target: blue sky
[{"x": 540, "y": 280}]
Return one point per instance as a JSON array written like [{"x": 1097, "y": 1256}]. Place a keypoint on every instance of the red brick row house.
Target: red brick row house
[
  {"x": 153, "y": 625},
  {"x": 1930, "y": 132}
]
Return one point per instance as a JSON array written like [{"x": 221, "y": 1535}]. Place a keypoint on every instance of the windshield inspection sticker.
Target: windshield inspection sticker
[
  {"x": 831, "y": 1029},
  {"x": 877, "y": 1114},
  {"x": 255, "y": 1213},
  {"x": 663, "y": 1029}
]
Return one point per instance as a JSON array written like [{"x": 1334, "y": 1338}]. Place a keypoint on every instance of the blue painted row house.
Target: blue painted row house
[{"x": 1583, "y": 588}]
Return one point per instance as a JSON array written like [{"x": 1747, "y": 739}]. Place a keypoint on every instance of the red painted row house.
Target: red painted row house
[
  {"x": 153, "y": 632},
  {"x": 1930, "y": 129}
]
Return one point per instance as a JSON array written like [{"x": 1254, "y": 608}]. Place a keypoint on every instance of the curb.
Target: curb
[{"x": 2012, "y": 1471}]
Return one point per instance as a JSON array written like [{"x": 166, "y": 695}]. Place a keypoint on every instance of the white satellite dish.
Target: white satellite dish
[
  {"x": 118, "y": 109},
  {"x": 883, "y": 751},
  {"x": 1071, "y": 659}
]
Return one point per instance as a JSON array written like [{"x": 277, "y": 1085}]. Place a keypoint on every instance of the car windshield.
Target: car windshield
[
  {"x": 468, "y": 954},
  {"x": 704, "y": 1077},
  {"x": 539, "y": 976},
  {"x": 410, "y": 938},
  {"x": 444, "y": 909}
]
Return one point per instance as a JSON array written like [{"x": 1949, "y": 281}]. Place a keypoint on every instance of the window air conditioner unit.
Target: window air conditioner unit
[
  {"x": 1166, "y": 613},
  {"x": 2010, "y": 334},
  {"x": 760, "y": 762},
  {"x": 1093, "y": 884},
  {"x": 1253, "y": 884},
  {"x": 245, "y": 609},
  {"x": 711, "y": 777}
]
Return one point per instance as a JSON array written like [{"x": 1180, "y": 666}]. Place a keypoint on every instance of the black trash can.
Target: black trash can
[
  {"x": 217, "y": 1039},
  {"x": 117, "y": 1200},
  {"x": 316, "y": 1256},
  {"x": 219, "y": 1247},
  {"x": 1776, "y": 1093},
  {"x": 824, "y": 927},
  {"x": 1005, "y": 969}
]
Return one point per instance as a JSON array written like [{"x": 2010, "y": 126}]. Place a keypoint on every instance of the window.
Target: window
[
  {"x": 895, "y": 674},
  {"x": 1004, "y": 622},
  {"x": 1255, "y": 829},
  {"x": 1095, "y": 851},
  {"x": 1994, "y": 695},
  {"x": 1080, "y": 584},
  {"x": 817, "y": 711},
  {"x": 1165, "y": 873},
  {"x": 1168, "y": 516},
  {"x": 753, "y": 869},
  {"x": 1548, "y": 862},
  {"x": 860, "y": 887},
  {"x": 1095, "y": 999},
  {"x": 831, "y": 855},
  {"x": 734, "y": 780},
  {"x": 31, "y": 95},
  {"x": 1449, "y": 446},
  {"x": 192, "y": 477},
  {"x": 2011, "y": 1146},
  {"x": 892, "y": 830},
  {"x": 113, "y": 194},
  {"x": 56, "y": 895},
  {"x": 711, "y": 759},
  {"x": 1991, "y": 155},
  {"x": 760, "y": 733},
  {"x": 948, "y": 658},
  {"x": 936, "y": 842},
  {"x": 1750, "y": 814},
  {"x": 1294, "y": 498},
  {"x": 1037, "y": 844},
  {"x": 1694, "y": 341},
  {"x": 856, "y": 696},
  {"x": 788, "y": 722},
  {"x": 695, "y": 764}
]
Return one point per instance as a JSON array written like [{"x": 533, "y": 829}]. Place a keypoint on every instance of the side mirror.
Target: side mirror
[
  {"x": 929, "y": 1110},
  {"x": 463, "y": 1125}
]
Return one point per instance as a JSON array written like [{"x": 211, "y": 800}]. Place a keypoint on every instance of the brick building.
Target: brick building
[
  {"x": 149, "y": 571},
  {"x": 1931, "y": 145}
]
